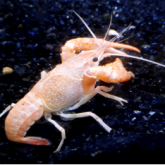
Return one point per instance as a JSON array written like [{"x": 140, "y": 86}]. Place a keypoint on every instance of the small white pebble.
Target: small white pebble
[
  {"x": 132, "y": 27},
  {"x": 134, "y": 118},
  {"x": 136, "y": 111},
  {"x": 146, "y": 46},
  {"x": 7, "y": 70},
  {"x": 152, "y": 113},
  {"x": 114, "y": 33},
  {"x": 145, "y": 118}
]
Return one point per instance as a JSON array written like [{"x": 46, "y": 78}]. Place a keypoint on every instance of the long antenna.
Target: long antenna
[
  {"x": 139, "y": 58},
  {"x": 126, "y": 38},
  {"x": 87, "y": 27},
  {"x": 112, "y": 40}
]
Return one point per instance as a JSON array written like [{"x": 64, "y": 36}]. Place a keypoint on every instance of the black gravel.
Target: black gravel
[{"x": 31, "y": 35}]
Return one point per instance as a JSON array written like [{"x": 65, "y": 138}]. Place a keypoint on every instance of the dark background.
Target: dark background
[{"x": 26, "y": 29}]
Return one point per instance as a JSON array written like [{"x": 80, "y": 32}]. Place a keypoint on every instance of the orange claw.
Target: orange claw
[
  {"x": 86, "y": 43},
  {"x": 124, "y": 46},
  {"x": 112, "y": 72}
]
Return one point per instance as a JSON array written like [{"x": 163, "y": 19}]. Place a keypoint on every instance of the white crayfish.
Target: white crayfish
[{"x": 68, "y": 86}]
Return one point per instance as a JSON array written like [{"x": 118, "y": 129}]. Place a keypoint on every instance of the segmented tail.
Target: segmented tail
[{"x": 21, "y": 117}]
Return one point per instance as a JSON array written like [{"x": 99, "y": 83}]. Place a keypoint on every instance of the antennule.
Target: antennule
[{"x": 108, "y": 27}]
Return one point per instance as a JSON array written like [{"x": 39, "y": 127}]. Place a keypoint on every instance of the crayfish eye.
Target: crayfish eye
[{"x": 95, "y": 59}]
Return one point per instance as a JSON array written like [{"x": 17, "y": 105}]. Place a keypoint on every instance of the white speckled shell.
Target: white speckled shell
[{"x": 60, "y": 91}]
